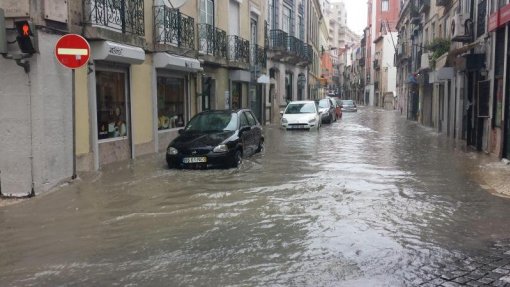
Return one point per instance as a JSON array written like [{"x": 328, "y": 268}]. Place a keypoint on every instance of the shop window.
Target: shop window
[
  {"x": 111, "y": 104},
  {"x": 170, "y": 103},
  {"x": 236, "y": 95}
]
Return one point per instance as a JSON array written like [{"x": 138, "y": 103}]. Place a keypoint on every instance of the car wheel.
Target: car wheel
[
  {"x": 237, "y": 159},
  {"x": 261, "y": 146}
]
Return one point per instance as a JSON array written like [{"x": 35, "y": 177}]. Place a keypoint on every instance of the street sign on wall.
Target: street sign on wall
[{"x": 72, "y": 51}]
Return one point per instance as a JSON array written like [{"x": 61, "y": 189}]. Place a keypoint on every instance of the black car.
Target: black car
[
  {"x": 327, "y": 110},
  {"x": 216, "y": 138}
]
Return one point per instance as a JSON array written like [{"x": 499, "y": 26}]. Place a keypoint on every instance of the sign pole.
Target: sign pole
[
  {"x": 73, "y": 52},
  {"x": 74, "y": 123}
]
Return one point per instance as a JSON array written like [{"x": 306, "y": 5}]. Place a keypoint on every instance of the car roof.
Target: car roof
[
  {"x": 301, "y": 102},
  {"x": 225, "y": 111}
]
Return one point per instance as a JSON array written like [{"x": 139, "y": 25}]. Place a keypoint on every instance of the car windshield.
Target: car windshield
[
  {"x": 324, "y": 103},
  {"x": 301, "y": 108},
  {"x": 213, "y": 122},
  {"x": 348, "y": 103}
]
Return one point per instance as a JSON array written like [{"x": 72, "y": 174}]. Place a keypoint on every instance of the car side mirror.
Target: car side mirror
[
  {"x": 181, "y": 131},
  {"x": 244, "y": 129},
  {"x": 281, "y": 113}
]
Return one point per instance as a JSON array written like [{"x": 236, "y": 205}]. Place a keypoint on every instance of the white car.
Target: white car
[{"x": 301, "y": 115}]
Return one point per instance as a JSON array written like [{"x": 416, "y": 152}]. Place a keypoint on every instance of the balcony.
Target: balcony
[
  {"x": 424, "y": 6},
  {"x": 238, "y": 49},
  {"x": 278, "y": 40},
  {"x": 376, "y": 65},
  {"x": 258, "y": 56},
  {"x": 124, "y": 16},
  {"x": 212, "y": 41},
  {"x": 443, "y": 3},
  {"x": 173, "y": 28},
  {"x": 289, "y": 49}
]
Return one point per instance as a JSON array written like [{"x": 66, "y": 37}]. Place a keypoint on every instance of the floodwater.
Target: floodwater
[{"x": 372, "y": 200}]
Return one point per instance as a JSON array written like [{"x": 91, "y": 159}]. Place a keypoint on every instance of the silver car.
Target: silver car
[{"x": 349, "y": 106}]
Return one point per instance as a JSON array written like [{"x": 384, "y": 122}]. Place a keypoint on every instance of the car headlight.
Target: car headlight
[
  {"x": 311, "y": 121},
  {"x": 172, "y": 151},
  {"x": 284, "y": 121},
  {"x": 221, "y": 148}
]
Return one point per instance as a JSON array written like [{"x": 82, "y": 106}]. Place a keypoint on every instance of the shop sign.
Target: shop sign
[
  {"x": 116, "y": 52},
  {"x": 504, "y": 15},
  {"x": 15, "y": 8},
  {"x": 493, "y": 23}
]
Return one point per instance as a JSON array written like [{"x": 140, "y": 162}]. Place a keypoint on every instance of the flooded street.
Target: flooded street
[{"x": 372, "y": 200}]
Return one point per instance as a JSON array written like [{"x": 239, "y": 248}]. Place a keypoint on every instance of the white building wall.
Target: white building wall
[
  {"x": 387, "y": 62},
  {"x": 36, "y": 121}
]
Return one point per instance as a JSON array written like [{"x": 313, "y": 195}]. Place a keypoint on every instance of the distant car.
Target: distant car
[
  {"x": 338, "y": 106},
  {"x": 349, "y": 106},
  {"x": 301, "y": 115},
  {"x": 216, "y": 138},
  {"x": 327, "y": 110}
]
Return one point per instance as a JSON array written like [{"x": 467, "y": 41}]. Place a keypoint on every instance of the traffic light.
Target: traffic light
[{"x": 26, "y": 36}]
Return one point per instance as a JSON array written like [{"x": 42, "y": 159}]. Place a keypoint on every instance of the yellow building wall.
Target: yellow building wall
[
  {"x": 82, "y": 112},
  {"x": 141, "y": 102},
  {"x": 222, "y": 84}
]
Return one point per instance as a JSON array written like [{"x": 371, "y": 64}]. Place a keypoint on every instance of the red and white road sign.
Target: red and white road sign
[{"x": 72, "y": 51}]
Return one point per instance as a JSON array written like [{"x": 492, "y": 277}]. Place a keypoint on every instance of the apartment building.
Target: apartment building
[{"x": 154, "y": 64}]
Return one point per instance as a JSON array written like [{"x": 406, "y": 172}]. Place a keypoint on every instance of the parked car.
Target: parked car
[
  {"x": 338, "y": 106},
  {"x": 349, "y": 106},
  {"x": 301, "y": 115},
  {"x": 327, "y": 110},
  {"x": 216, "y": 138}
]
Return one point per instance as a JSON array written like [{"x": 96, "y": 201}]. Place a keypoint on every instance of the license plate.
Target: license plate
[
  {"x": 297, "y": 127},
  {"x": 194, "y": 159}
]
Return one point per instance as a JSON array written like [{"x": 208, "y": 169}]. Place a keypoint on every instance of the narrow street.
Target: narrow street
[{"x": 372, "y": 200}]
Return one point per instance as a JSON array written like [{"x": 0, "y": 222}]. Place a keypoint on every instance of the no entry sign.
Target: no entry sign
[{"x": 72, "y": 51}]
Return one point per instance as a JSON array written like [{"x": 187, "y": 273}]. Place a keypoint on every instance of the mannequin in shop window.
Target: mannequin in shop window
[{"x": 116, "y": 126}]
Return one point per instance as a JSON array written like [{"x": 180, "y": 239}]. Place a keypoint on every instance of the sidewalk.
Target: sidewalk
[{"x": 495, "y": 177}]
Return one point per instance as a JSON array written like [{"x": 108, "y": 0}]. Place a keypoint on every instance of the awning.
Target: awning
[
  {"x": 240, "y": 76},
  {"x": 263, "y": 79},
  {"x": 115, "y": 52},
  {"x": 173, "y": 62}
]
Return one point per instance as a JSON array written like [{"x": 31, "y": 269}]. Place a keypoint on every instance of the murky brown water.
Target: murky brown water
[{"x": 372, "y": 200}]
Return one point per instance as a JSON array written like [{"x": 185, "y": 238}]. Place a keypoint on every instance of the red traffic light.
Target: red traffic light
[
  {"x": 24, "y": 28},
  {"x": 26, "y": 40}
]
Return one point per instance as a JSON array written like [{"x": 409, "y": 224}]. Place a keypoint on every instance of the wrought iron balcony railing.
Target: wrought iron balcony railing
[
  {"x": 278, "y": 40},
  {"x": 258, "y": 55},
  {"x": 238, "y": 49},
  {"x": 309, "y": 53},
  {"x": 212, "y": 40},
  {"x": 126, "y": 16},
  {"x": 173, "y": 28},
  {"x": 293, "y": 44}
]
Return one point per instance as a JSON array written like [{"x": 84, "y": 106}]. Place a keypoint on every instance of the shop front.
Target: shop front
[
  {"x": 239, "y": 85},
  {"x": 110, "y": 101},
  {"x": 174, "y": 83}
]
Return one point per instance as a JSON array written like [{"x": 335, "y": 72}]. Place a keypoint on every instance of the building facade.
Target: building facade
[{"x": 153, "y": 66}]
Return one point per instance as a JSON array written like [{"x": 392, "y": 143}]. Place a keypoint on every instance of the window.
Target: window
[
  {"x": 286, "y": 19},
  {"x": 301, "y": 28},
  {"x": 170, "y": 103},
  {"x": 111, "y": 104},
  {"x": 244, "y": 121},
  {"x": 251, "y": 119},
  {"x": 385, "y": 5},
  {"x": 207, "y": 12}
]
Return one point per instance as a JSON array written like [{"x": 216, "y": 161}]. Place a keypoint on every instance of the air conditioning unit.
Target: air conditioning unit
[{"x": 457, "y": 28}]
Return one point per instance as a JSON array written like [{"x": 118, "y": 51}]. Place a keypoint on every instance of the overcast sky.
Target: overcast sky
[{"x": 356, "y": 14}]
